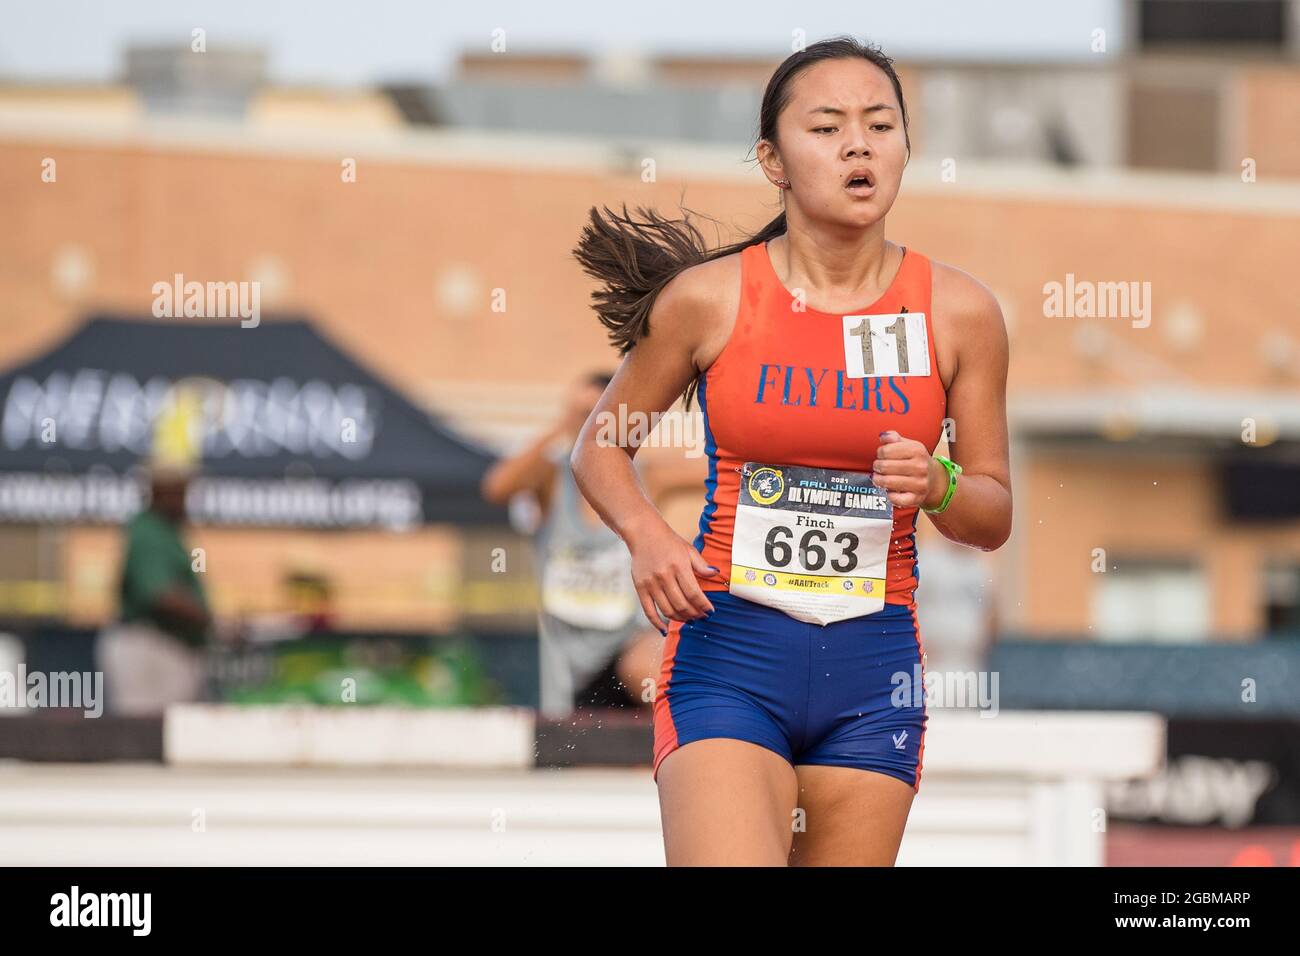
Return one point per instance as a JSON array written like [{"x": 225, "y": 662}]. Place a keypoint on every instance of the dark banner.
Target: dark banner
[
  {"x": 1219, "y": 772},
  {"x": 290, "y": 431}
]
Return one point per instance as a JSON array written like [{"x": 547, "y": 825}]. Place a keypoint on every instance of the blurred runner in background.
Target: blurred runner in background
[
  {"x": 153, "y": 655},
  {"x": 595, "y": 648}
]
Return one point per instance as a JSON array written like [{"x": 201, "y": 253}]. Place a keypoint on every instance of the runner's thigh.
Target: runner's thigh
[
  {"x": 726, "y": 803},
  {"x": 851, "y": 817}
]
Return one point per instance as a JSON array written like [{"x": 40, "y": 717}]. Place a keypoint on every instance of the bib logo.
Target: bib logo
[{"x": 766, "y": 485}]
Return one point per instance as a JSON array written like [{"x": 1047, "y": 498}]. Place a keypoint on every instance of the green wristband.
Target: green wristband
[{"x": 953, "y": 470}]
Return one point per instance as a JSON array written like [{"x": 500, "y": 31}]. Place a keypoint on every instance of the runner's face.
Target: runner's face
[{"x": 819, "y": 150}]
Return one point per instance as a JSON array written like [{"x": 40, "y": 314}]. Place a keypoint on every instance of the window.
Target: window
[
  {"x": 1255, "y": 22},
  {"x": 1282, "y": 600},
  {"x": 1140, "y": 601}
]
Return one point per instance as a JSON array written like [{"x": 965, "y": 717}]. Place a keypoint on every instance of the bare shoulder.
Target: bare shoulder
[
  {"x": 968, "y": 322},
  {"x": 967, "y": 315},
  {"x": 961, "y": 297},
  {"x": 698, "y": 307}
]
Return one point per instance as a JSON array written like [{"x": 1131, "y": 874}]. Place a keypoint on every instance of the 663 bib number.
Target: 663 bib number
[
  {"x": 811, "y": 542},
  {"x": 779, "y": 549}
]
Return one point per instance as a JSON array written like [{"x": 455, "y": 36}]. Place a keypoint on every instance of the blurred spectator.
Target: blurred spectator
[
  {"x": 311, "y": 598},
  {"x": 595, "y": 649},
  {"x": 308, "y": 597},
  {"x": 154, "y": 654}
]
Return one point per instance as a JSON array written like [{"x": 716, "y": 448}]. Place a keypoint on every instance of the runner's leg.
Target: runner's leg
[
  {"x": 852, "y": 817},
  {"x": 726, "y": 803}
]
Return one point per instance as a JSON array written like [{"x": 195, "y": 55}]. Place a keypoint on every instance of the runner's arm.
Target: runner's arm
[
  {"x": 650, "y": 379},
  {"x": 980, "y": 512}
]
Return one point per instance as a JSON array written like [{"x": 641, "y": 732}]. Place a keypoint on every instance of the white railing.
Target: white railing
[{"x": 299, "y": 786}]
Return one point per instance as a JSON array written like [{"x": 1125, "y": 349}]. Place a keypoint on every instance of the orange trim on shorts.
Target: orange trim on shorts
[
  {"x": 665, "y": 739},
  {"x": 920, "y": 753}
]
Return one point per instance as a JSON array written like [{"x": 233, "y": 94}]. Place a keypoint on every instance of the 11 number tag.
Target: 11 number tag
[{"x": 879, "y": 345}]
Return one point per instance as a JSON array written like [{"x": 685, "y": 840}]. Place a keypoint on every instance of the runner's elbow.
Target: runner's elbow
[
  {"x": 996, "y": 536},
  {"x": 998, "y": 539}
]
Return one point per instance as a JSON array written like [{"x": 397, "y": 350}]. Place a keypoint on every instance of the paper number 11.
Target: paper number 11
[{"x": 863, "y": 333}]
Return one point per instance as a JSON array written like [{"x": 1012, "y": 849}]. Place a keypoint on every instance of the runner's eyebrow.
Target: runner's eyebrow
[{"x": 836, "y": 111}]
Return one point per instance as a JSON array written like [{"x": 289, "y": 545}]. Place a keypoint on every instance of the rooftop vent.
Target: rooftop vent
[{"x": 178, "y": 80}]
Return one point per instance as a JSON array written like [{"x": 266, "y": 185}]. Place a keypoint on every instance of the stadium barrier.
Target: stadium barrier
[{"x": 315, "y": 786}]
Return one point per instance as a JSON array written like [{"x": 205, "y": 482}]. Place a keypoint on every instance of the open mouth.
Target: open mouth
[{"x": 860, "y": 180}]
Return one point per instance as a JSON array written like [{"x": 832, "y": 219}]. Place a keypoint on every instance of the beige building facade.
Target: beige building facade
[{"x": 442, "y": 260}]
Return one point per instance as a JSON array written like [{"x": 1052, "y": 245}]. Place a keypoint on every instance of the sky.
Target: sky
[{"x": 357, "y": 42}]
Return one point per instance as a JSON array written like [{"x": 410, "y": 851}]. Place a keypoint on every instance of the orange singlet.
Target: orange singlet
[{"x": 780, "y": 392}]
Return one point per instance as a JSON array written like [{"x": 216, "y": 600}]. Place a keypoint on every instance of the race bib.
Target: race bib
[
  {"x": 590, "y": 587},
  {"x": 878, "y": 345},
  {"x": 812, "y": 542}
]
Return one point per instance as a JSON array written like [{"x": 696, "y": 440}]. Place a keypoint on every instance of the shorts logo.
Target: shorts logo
[
  {"x": 770, "y": 580},
  {"x": 848, "y": 585},
  {"x": 868, "y": 586},
  {"x": 750, "y": 576},
  {"x": 766, "y": 485}
]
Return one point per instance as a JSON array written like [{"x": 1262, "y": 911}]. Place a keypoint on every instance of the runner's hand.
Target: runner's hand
[
  {"x": 905, "y": 469},
  {"x": 664, "y": 570}
]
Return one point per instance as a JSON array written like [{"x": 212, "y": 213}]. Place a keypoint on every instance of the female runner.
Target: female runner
[{"x": 828, "y": 361}]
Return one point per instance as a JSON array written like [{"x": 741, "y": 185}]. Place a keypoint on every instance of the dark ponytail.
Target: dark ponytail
[{"x": 634, "y": 258}]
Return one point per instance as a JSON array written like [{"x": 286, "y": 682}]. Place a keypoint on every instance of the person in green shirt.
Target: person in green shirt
[{"x": 154, "y": 654}]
